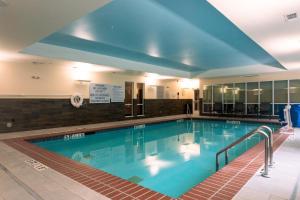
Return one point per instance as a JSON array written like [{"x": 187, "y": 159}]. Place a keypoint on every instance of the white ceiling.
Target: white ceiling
[
  {"x": 26, "y": 22},
  {"x": 264, "y": 22}
]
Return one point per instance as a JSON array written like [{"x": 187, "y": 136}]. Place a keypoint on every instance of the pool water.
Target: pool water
[{"x": 169, "y": 157}]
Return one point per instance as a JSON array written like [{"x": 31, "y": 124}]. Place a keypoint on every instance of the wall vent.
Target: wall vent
[
  {"x": 291, "y": 16},
  {"x": 3, "y": 3},
  {"x": 41, "y": 63},
  {"x": 38, "y": 63},
  {"x": 249, "y": 75}
]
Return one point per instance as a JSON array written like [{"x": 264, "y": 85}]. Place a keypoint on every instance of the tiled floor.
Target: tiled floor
[
  {"x": 110, "y": 186},
  {"x": 230, "y": 179},
  {"x": 284, "y": 181},
  {"x": 19, "y": 181},
  {"x": 223, "y": 185}
]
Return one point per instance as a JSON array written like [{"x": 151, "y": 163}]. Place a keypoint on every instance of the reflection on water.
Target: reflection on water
[{"x": 169, "y": 157}]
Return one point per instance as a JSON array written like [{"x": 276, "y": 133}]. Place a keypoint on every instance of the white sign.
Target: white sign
[
  {"x": 99, "y": 93},
  {"x": 117, "y": 93}
]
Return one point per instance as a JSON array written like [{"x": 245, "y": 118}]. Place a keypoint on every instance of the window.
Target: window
[
  {"x": 239, "y": 97},
  {"x": 253, "y": 93},
  {"x": 207, "y": 93},
  {"x": 280, "y": 92},
  {"x": 228, "y": 92},
  {"x": 217, "y": 97},
  {"x": 280, "y": 95},
  {"x": 294, "y": 91},
  {"x": 207, "y": 98},
  {"x": 266, "y": 98}
]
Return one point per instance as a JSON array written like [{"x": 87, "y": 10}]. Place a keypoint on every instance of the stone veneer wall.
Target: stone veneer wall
[{"x": 31, "y": 114}]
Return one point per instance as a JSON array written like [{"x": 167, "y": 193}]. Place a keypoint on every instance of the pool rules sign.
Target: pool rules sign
[
  {"x": 117, "y": 93},
  {"x": 105, "y": 93},
  {"x": 99, "y": 93}
]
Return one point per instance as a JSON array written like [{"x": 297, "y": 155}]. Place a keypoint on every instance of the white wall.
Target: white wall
[
  {"x": 56, "y": 80},
  {"x": 172, "y": 87}
]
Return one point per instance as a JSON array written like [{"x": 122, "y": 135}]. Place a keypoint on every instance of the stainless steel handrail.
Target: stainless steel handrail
[
  {"x": 267, "y": 151},
  {"x": 188, "y": 111},
  {"x": 256, "y": 131},
  {"x": 270, "y": 131}
]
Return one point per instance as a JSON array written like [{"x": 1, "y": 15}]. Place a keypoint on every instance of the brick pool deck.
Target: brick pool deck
[{"x": 223, "y": 185}]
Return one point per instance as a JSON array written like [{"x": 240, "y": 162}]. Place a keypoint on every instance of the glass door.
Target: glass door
[
  {"x": 196, "y": 100},
  {"x": 140, "y": 99},
  {"x": 128, "y": 102}
]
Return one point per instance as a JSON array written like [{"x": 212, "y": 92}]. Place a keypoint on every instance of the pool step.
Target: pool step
[
  {"x": 135, "y": 179},
  {"x": 141, "y": 126}
]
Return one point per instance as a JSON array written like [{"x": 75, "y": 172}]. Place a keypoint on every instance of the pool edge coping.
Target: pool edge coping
[{"x": 193, "y": 193}]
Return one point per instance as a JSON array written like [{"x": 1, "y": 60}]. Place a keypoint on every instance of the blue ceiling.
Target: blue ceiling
[{"x": 190, "y": 35}]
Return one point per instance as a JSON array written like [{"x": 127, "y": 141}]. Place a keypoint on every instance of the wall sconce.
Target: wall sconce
[
  {"x": 81, "y": 74},
  {"x": 189, "y": 83},
  {"x": 236, "y": 90},
  {"x": 293, "y": 90},
  {"x": 151, "y": 82},
  {"x": 257, "y": 92},
  {"x": 151, "y": 79}
]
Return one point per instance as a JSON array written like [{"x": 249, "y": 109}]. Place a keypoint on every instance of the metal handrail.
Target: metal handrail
[
  {"x": 256, "y": 131},
  {"x": 270, "y": 131},
  {"x": 188, "y": 111}
]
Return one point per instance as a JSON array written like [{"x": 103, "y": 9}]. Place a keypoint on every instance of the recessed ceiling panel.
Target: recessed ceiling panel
[{"x": 187, "y": 35}]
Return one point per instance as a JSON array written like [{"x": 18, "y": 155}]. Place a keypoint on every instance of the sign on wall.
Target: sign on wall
[
  {"x": 99, "y": 93},
  {"x": 117, "y": 93},
  {"x": 104, "y": 93}
]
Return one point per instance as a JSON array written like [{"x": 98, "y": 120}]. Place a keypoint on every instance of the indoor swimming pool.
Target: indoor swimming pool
[{"x": 169, "y": 157}]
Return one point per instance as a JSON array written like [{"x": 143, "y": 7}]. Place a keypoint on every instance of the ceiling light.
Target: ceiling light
[
  {"x": 283, "y": 44},
  {"x": 153, "y": 50},
  {"x": 189, "y": 83},
  {"x": 81, "y": 74}
]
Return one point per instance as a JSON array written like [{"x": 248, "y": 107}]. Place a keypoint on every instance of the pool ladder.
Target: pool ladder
[
  {"x": 188, "y": 111},
  {"x": 268, "y": 148}
]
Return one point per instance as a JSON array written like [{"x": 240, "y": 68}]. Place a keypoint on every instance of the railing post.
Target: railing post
[
  {"x": 217, "y": 162},
  {"x": 267, "y": 146},
  {"x": 226, "y": 157},
  {"x": 270, "y": 144}
]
